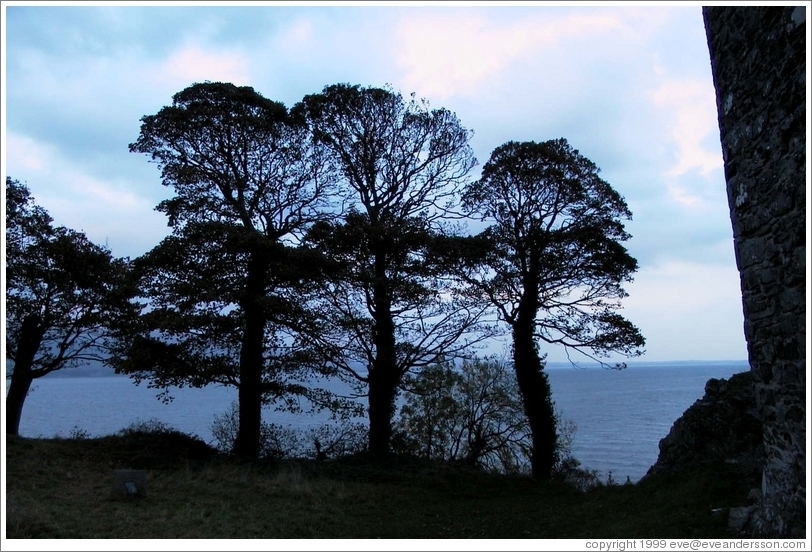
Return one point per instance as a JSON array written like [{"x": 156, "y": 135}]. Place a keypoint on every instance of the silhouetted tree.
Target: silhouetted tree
[
  {"x": 394, "y": 307},
  {"x": 555, "y": 268},
  {"x": 62, "y": 292},
  {"x": 222, "y": 293}
]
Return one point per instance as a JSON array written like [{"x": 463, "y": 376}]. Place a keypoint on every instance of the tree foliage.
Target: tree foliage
[
  {"x": 557, "y": 232},
  {"x": 399, "y": 158},
  {"x": 63, "y": 293},
  {"x": 232, "y": 155}
]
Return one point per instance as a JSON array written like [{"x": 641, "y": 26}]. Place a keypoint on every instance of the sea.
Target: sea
[{"x": 619, "y": 415}]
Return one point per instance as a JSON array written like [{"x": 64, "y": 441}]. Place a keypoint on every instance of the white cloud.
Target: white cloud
[
  {"x": 684, "y": 306},
  {"x": 692, "y": 106},
  {"x": 197, "y": 64},
  {"x": 108, "y": 212},
  {"x": 297, "y": 34},
  {"x": 681, "y": 287},
  {"x": 27, "y": 153},
  {"x": 447, "y": 55}
]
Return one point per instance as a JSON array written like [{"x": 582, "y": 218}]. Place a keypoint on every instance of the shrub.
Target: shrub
[
  {"x": 333, "y": 441},
  {"x": 152, "y": 425},
  {"x": 78, "y": 434},
  {"x": 152, "y": 444},
  {"x": 326, "y": 441},
  {"x": 275, "y": 441}
]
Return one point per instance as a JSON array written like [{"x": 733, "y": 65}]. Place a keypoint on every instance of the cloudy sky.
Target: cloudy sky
[{"x": 628, "y": 86}]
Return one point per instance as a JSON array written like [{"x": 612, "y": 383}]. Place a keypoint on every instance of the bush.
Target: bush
[
  {"x": 331, "y": 441},
  {"x": 152, "y": 444},
  {"x": 146, "y": 426},
  {"x": 323, "y": 442},
  {"x": 78, "y": 434},
  {"x": 275, "y": 441},
  {"x": 472, "y": 414}
]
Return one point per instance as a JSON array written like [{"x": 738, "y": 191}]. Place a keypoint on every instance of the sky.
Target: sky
[{"x": 629, "y": 86}]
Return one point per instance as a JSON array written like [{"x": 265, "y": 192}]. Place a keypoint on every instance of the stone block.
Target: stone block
[{"x": 130, "y": 483}]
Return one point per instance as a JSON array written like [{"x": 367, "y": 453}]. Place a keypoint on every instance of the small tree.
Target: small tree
[
  {"x": 470, "y": 414},
  {"x": 555, "y": 267},
  {"x": 62, "y": 294},
  {"x": 429, "y": 422}
]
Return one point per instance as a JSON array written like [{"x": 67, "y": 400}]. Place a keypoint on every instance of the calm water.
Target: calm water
[{"x": 620, "y": 416}]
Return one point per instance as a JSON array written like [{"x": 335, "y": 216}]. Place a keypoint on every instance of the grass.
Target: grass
[{"x": 62, "y": 488}]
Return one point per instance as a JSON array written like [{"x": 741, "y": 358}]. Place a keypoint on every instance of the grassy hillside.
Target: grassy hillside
[{"x": 62, "y": 488}]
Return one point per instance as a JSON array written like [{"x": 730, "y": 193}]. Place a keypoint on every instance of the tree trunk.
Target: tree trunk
[
  {"x": 537, "y": 398},
  {"x": 382, "y": 392},
  {"x": 383, "y": 376},
  {"x": 533, "y": 382},
  {"x": 15, "y": 398},
  {"x": 251, "y": 364},
  {"x": 31, "y": 334}
]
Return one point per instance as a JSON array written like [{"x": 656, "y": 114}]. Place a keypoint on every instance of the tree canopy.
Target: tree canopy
[{"x": 556, "y": 233}]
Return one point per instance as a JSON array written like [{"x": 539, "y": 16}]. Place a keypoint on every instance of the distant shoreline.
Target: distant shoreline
[
  {"x": 93, "y": 371},
  {"x": 646, "y": 363}
]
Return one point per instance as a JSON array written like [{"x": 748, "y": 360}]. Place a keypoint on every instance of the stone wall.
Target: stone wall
[{"x": 759, "y": 70}]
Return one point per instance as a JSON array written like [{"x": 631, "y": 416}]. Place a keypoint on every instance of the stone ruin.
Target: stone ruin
[{"x": 758, "y": 60}]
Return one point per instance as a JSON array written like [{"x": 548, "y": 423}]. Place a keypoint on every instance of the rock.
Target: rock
[
  {"x": 739, "y": 519},
  {"x": 722, "y": 426}
]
